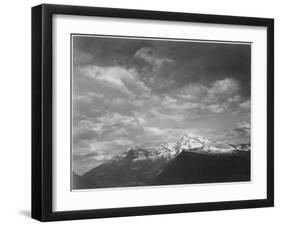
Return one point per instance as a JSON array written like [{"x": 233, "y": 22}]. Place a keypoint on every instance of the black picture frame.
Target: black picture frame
[{"x": 42, "y": 107}]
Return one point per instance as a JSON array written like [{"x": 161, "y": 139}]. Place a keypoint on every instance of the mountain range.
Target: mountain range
[{"x": 190, "y": 160}]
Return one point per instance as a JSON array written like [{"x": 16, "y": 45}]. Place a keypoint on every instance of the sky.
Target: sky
[{"x": 130, "y": 91}]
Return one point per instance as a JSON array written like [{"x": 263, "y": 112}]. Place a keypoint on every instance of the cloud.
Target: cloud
[
  {"x": 106, "y": 146},
  {"x": 103, "y": 157},
  {"x": 245, "y": 105},
  {"x": 234, "y": 99},
  {"x": 151, "y": 57},
  {"x": 225, "y": 86},
  {"x": 215, "y": 108},
  {"x": 123, "y": 142},
  {"x": 161, "y": 116},
  {"x": 193, "y": 92},
  {"x": 93, "y": 155},
  {"x": 243, "y": 108},
  {"x": 112, "y": 76},
  {"x": 219, "y": 90},
  {"x": 81, "y": 157},
  {"x": 154, "y": 130},
  {"x": 110, "y": 124},
  {"x": 167, "y": 100},
  {"x": 88, "y": 125},
  {"x": 243, "y": 126},
  {"x": 221, "y": 96},
  {"x": 85, "y": 130},
  {"x": 123, "y": 79},
  {"x": 115, "y": 118},
  {"x": 88, "y": 97},
  {"x": 168, "y": 134},
  {"x": 92, "y": 150},
  {"x": 241, "y": 133},
  {"x": 192, "y": 102}
]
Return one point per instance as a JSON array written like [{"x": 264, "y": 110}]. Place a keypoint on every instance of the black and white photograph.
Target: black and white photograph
[
  {"x": 145, "y": 112},
  {"x": 152, "y": 112}
]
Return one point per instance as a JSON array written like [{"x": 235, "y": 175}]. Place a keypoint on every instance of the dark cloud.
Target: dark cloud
[
  {"x": 193, "y": 62},
  {"x": 106, "y": 51}
]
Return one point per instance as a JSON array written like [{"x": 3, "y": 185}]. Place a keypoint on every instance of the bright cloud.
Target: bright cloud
[
  {"x": 226, "y": 86},
  {"x": 125, "y": 80}
]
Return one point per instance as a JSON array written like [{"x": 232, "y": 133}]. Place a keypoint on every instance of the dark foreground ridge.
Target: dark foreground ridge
[{"x": 194, "y": 168}]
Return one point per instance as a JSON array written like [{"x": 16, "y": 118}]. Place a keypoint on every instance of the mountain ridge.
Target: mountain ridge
[{"x": 147, "y": 164}]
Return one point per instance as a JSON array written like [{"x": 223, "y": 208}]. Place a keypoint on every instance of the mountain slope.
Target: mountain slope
[
  {"x": 136, "y": 167},
  {"x": 193, "y": 168},
  {"x": 79, "y": 182}
]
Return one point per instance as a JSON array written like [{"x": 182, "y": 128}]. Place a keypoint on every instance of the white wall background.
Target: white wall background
[{"x": 15, "y": 118}]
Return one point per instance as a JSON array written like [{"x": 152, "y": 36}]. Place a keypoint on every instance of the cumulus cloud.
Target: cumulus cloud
[
  {"x": 225, "y": 89},
  {"x": 221, "y": 96},
  {"x": 222, "y": 90}
]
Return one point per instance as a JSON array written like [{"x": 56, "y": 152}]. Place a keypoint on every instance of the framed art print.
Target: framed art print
[{"x": 147, "y": 112}]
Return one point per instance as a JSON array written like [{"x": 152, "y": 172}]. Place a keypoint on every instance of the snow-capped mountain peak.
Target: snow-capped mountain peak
[
  {"x": 191, "y": 142},
  {"x": 172, "y": 163},
  {"x": 161, "y": 151},
  {"x": 169, "y": 150}
]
